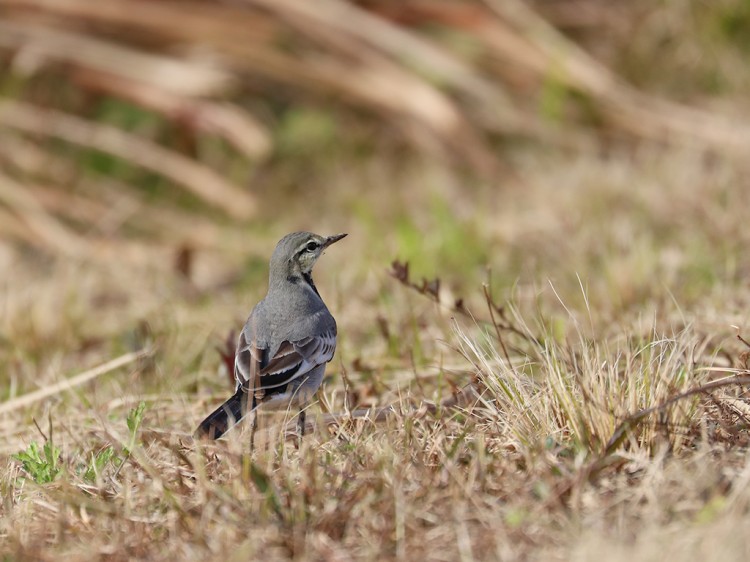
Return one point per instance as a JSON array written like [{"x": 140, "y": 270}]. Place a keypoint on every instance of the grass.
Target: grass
[
  {"x": 557, "y": 376},
  {"x": 549, "y": 461}
]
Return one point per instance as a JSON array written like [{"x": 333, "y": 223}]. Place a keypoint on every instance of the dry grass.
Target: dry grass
[
  {"x": 528, "y": 470},
  {"x": 566, "y": 383}
]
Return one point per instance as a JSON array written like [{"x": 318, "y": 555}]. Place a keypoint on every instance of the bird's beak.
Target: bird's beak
[{"x": 331, "y": 239}]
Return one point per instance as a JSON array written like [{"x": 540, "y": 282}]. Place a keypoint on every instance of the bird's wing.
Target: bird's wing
[
  {"x": 248, "y": 360},
  {"x": 292, "y": 360}
]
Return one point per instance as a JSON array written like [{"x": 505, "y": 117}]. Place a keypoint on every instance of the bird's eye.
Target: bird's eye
[{"x": 312, "y": 246}]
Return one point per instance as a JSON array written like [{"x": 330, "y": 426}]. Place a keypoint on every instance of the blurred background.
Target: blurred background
[{"x": 152, "y": 152}]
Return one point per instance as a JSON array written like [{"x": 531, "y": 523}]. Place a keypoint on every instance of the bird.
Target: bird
[{"x": 286, "y": 342}]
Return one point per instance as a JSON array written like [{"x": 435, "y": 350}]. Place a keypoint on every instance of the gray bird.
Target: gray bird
[{"x": 287, "y": 340}]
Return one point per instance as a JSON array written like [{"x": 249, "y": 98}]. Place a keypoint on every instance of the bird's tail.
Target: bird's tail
[{"x": 224, "y": 417}]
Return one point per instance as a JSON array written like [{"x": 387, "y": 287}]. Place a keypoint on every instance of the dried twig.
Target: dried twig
[
  {"x": 623, "y": 430},
  {"x": 431, "y": 289}
]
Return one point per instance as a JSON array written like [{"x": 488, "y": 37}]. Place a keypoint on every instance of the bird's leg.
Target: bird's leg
[
  {"x": 301, "y": 424},
  {"x": 253, "y": 429}
]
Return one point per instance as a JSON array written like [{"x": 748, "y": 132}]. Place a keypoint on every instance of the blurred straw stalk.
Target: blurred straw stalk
[{"x": 203, "y": 69}]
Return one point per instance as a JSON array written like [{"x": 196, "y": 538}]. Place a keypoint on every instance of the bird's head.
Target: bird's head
[{"x": 296, "y": 253}]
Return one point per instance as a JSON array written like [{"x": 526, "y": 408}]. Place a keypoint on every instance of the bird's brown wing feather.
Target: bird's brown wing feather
[{"x": 291, "y": 361}]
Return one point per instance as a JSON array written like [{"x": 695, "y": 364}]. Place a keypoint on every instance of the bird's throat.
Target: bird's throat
[{"x": 308, "y": 279}]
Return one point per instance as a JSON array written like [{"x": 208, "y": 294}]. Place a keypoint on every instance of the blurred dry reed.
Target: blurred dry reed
[{"x": 199, "y": 66}]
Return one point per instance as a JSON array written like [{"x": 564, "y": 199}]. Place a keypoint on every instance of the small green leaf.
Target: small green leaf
[
  {"x": 42, "y": 466},
  {"x": 98, "y": 463},
  {"x": 134, "y": 420},
  {"x": 135, "y": 417}
]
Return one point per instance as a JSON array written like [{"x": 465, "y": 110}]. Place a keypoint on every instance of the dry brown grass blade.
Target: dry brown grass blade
[
  {"x": 164, "y": 84},
  {"x": 114, "y": 205},
  {"x": 167, "y": 223},
  {"x": 354, "y": 71},
  {"x": 380, "y": 50},
  {"x": 44, "y": 226},
  {"x": 353, "y": 29},
  {"x": 67, "y": 384},
  {"x": 512, "y": 30},
  {"x": 189, "y": 20},
  {"x": 550, "y": 53},
  {"x": 424, "y": 114},
  {"x": 73, "y": 206},
  {"x": 12, "y": 227},
  {"x": 198, "y": 179},
  {"x": 239, "y": 129},
  {"x": 169, "y": 74},
  {"x": 103, "y": 205},
  {"x": 28, "y": 159}
]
